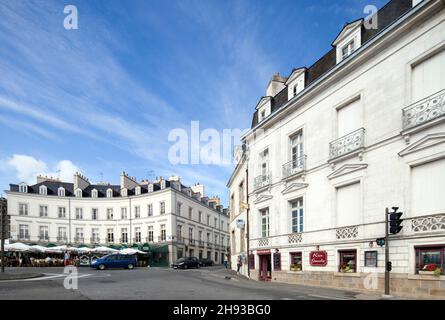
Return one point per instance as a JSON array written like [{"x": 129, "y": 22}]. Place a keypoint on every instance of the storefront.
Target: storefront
[{"x": 265, "y": 265}]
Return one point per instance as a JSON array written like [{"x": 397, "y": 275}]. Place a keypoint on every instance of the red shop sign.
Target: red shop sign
[
  {"x": 318, "y": 258},
  {"x": 263, "y": 252}
]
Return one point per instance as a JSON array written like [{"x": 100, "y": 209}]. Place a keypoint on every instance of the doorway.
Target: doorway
[{"x": 265, "y": 267}]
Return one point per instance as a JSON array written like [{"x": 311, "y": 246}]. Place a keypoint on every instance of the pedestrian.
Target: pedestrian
[
  {"x": 66, "y": 259},
  {"x": 239, "y": 264},
  {"x": 226, "y": 261}
]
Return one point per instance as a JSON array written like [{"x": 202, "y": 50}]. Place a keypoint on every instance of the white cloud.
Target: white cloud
[{"x": 28, "y": 168}]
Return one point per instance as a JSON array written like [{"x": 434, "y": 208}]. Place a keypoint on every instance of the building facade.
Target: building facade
[
  {"x": 332, "y": 145},
  {"x": 163, "y": 213}
]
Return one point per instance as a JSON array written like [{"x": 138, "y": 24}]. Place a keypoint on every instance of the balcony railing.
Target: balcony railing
[
  {"x": 262, "y": 181},
  {"x": 43, "y": 238},
  {"x": 424, "y": 110},
  {"x": 78, "y": 239},
  {"x": 192, "y": 242},
  {"x": 62, "y": 238},
  {"x": 347, "y": 144},
  {"x": 201, "y": 243},
  {"x": 149, "y": 239},
  {"x": 94, "y": 240},
  {"x": 294, "y": 167}
]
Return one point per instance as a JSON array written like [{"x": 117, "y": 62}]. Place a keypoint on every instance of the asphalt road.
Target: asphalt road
[{"x": 162, "y": 284}]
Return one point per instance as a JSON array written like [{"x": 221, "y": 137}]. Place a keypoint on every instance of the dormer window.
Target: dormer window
[
  {"x": 137, "y": 190},
  {"x": 61, "y": 192},
  {"x": 349, "y": 40},
  {"x": 348, "y": 49},
  {"x": 23, "y": 188},
  {"x": 262, "y": 114},
  {"x": 124, "y": 192},
  {"x": 150, "y": 187},
  {"x": 94, "y": 193},
  {"x": 264, "y": 108},
  {"x": 296, "y": 82},
  {"x": 78, "y": 193},
  {"x": 109, "y": 193},
  {"x": 43, "y": 190}
]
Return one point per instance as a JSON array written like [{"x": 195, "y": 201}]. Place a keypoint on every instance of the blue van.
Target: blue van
[{"x": 115, "y": 261}]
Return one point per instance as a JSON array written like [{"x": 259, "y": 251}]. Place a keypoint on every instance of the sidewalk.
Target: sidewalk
[{"x": 18, "y": 275}]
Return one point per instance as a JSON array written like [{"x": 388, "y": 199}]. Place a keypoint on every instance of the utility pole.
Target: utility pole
[
  {"x": 386, "y": 253},
  {"x": 4, "y": 227}
]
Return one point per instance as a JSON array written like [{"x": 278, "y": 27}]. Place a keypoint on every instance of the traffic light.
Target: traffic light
[
  {"x": 389, "y": 266},
  {"x": 380, "y": 242},
  {"x": 395, "y": 221}
]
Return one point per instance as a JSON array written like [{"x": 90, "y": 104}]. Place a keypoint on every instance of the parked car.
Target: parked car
[
  {"x": 206, "y": 262},
  {"x": 115, "y": 261},
  {"x": 186, "y": 263}
]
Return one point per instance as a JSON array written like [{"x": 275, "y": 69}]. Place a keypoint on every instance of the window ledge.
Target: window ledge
[
  {"x": 346, "y": 274},
  {"x": 425, "y": 277}
]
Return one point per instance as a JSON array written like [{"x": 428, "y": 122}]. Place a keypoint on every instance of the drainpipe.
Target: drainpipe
[{"x": 247, "y": 221}]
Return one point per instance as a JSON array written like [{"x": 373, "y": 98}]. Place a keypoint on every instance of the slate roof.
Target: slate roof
[{"x": 388, "y": 14}]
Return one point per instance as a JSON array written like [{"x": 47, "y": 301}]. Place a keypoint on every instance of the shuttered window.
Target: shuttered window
[
  {"x": 349, "y": 205},
  {"x": 428, "y": 77},
  {"x": 349, "y": 118}
]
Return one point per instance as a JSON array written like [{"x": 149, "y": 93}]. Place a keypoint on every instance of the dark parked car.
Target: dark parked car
[
  {"x": 115, "y": 261},
  {"x": 206, "y": 262},
  {"x": 186, "y": 263}
]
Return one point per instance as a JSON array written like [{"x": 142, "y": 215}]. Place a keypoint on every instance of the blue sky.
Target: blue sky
[{"x": 102, "y": 99}]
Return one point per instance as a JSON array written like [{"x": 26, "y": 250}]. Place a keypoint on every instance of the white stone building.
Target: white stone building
[
  {"x": 334, "y": 144},
  {"x": 161, "y": 214}
]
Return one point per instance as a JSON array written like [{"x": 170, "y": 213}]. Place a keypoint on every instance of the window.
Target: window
[
  {"x": 349, "y": 205},
  {"x": 427, "y": 256},
  {"x": 94, "y": 193},
  {"x": 190, "y": 213},
  {"x": 79, "y": 235},
  {"x": 348, "y": 49},
  {"x": 23, "y": 188},
  {"x": 190, "y": 234},
  {"x": 216, "y": 222},
  {"x": 200, "y": 217},
  {"x": 79, "y": 193},
  {"x": 61, "y": 212},
  {"x": 427, "y": 186},
  {"x": 348, "y": 261},
  {"x": 222, "y": 225},
  {"x": 428, "y": 77},
  {"x": 23, "y": 209},
  {"x": 179, "y": 232},
  {"x": 240, "y": 195},
  {"x": 296, "y": 149},
  {"x": 43, "y": 233},
  {"x": 264, "y": 222},
  {"x": 137, "y": 234},
  {"x": 124, "y": 192},
  {"x": 208, "y": 220},
  {"x": 61, "y": 234},
  {"x": 349, "y": 118},
  {"x": 23, "y": 232},
  {"x": 61, "y": 192},
  {"x": 43, "y": 190},
  {"x": 110, "y": 235},
  {"x": 150, "y": 234},
  {"x": 262, "y": 115},
  {"x": 179, "y": 208},
  {"x": 162, "y": 207},
  {"x": 297, "y": 215},
  {"x": 216, "y": 256},
  {"x": 163, "y": 232},
  {"x": 95, "y": 235},
  {"x": 371, "y": 259},
  {"x": 264, "y": 164},
  {"x": 200, "y": 236},
  {"x": 109, "y": 193},
  {"x": 137, "y": 211},
  {"x": 295, "y": 90},
  {"x": 296, "y": 261},
  {"x": 43, "y": 211},
  {"x": 110, "y": 213},
  {"x": 150, "y": 210},
  {"x": 94, "y": 212},
  {"x": 123, "y": 213},
  {"x": 209, "y": 239},
  {"x": 137, "y": 190},
  {"x": 79, "y": 213},
  {"x": 124, "y": 234}
]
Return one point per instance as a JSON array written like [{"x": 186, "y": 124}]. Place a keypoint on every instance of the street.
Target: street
[{"x": 213, "y": 283}]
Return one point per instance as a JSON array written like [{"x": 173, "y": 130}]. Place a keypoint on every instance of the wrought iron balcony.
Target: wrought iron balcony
[
  {"x": 347, "y": 144},
  {"x": 43, "y": 238},
  {"x": 94, "y": 240},
  {"x": 201, "y": 243},
  {"x": 78, "y": 239},
  {"x": 294, "y": 167},
  {"x": 424, "y": 110},
  {"x": 62, "y": 238},
  {"x": 262, "y": 181}
]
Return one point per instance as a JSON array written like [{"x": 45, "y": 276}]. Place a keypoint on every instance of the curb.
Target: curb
[{"x": 19, "y": 276}]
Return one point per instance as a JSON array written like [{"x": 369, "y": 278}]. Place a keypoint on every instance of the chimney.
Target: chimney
[
  {"x": 276, "y": 84},
  {"x": 198, "y": 188},
  {"x": 80, "y": 181},
  {"x": 215, "y": 200},
  {"x": 128, "y": 182},
  {"x": 175, "y": 182}
]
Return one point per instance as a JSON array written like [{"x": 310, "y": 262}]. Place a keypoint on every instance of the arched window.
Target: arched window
[
  {"x": 124, "y": 192},
  {"x": 137, "y": 191},
  {"x": 109, "y": 193},
  {"x": 43, "y": 190},
  {"x": 23, "y": 188},
  {"x": 94, "y": 193},
  {"x": 79, "y": 193},
  {"x": 61, "y": 192}
]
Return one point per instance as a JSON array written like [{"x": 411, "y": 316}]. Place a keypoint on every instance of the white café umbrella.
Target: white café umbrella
[
  {"x": 104, "y": 250},
  {"x": 17, "y": 246},
  {"x": 131, "y": 251},
  {"x": 83, "y": 250},
  {"x": 37, "y": 248}
]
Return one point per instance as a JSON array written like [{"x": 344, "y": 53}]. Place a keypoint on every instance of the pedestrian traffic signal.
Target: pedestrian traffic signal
[
  {"x": 395, "y": 221},
  {"x": 389, "y": 266},
  {"x": 380, "y": 242}
]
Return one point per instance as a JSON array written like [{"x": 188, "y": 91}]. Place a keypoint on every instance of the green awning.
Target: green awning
[
  {"x": 112, "y": 246},
  {"x": 50, "y": 245},
  {"x": 159, "y": 249},
  {"x": 146, "y": 247}
]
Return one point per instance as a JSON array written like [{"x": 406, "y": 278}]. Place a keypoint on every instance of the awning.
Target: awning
[{"x": 163, "y": 248}]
